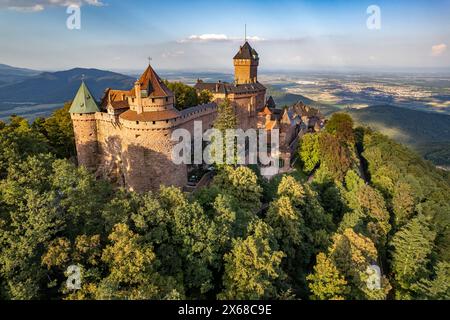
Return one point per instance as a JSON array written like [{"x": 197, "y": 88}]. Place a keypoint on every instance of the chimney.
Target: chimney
[{"x": 137, "y": 93}]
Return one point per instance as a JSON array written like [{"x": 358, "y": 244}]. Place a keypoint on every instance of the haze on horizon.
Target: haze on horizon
[{"x": 204, "y": 35}]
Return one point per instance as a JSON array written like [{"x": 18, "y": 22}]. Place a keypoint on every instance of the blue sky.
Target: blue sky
[{"x": 204, "y": 35}]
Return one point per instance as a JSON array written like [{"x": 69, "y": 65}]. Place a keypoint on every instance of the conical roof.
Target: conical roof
[
  {"x": 271, "y": 103},
  {"x": 84, "y": 101},
  {"x": 151, "y": 82},
  {"x": 246, "y": 52}
]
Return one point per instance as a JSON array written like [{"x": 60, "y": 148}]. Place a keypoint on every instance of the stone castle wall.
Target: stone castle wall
[
  {"x": 135, "y": 155},
  {"x": 247, "y": 107},
  {"x": 85, "y": 130}
]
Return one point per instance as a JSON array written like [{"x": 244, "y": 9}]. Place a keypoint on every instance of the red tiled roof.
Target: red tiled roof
[
  {"x": 120, "y": 104},
  {"x": 151, "y": 82},
  {"x": 113, "y": 97}
]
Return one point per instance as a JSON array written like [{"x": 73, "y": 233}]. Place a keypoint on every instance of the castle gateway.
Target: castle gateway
[{"x": 126, "y": 138}]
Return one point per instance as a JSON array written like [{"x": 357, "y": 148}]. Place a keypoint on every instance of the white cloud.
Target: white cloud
[
  {"x": 39, "y": 5},
  {"x": 212, "y": 37},
  {"x": 438, "y": 49},
  {"x": 208, "y": 37},
  {"x": 172, "y": 54},
  {"x": 254, "y": 38},
  {"x": 35, "y": 8}
]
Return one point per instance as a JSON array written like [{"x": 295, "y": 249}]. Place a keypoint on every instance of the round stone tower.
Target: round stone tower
[
  {"x": 82, "y": 112},
  {"x": 146, "y": 134}
]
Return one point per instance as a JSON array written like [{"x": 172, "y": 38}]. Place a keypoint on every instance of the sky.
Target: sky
[{"x": 205, "y": 35}]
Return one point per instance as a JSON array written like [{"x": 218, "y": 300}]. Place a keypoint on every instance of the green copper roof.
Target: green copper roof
[{"x": 84, "y": 102}]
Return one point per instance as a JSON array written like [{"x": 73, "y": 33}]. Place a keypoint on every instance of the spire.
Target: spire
[
  {"x": 84, "y": 102},
  {"x": 245, "y": 37}
]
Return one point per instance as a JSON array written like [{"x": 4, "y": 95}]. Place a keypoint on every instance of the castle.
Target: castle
[{"x": 126, "y": 138}]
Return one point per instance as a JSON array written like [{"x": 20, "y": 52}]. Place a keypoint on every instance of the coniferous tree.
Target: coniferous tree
[
  {"x": 411, "y": 249},
  {"x": 326, "y": 283}
]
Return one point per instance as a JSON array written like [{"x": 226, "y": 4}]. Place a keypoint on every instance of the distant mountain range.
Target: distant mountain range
[
  {"x": 28, "y": 86},
  {"x": 9, "y": 74}
]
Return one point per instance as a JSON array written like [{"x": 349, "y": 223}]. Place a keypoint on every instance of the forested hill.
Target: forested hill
[
  {"x": 426, "y": 132},
  {"x": 61, "y": 86},
  {"x": 371, "y": 205}
]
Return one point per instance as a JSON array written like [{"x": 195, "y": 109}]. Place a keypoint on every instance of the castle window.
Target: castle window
[
  {"x": 153, "y": 100},
  {"x": 167, "y": 99},
  {"x": 154, "y": 122},
  {"x": 137, "y": 122}
]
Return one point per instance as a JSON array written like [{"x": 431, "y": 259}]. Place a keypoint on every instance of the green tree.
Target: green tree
[
  {"x": 131, "y": 269},
  {"x": 184, "y": 239},
  {"x": 436, "y": 288},
  {"x": 285, "y": 217},
  {"x": 253, "y": 266},
  {"x": 85, "y": 252},
  {"x": 318, "y": 226},
  {"x": 205, "y": 97},
  {"x": 241, "y": 183},
  {"x": 29, "y": 219},
  {"x": 403, "y": 203},
  {"x": 226, "y": 119},
  {"x": 39, "y": 198},
  {"x": 370, "y": 207},
  {"x": 287, "y": 224},
  {"x": 352, "y": 253},
  {"x": 58, "y": 130},
  {"x": 341, "y": 126},
  {"x": 18, "y": 141},
  {"x": 336, "y": 156},
  {"x": 411, "y": 249},
  {"x": 185, "y": 96},
  {"x": 310, "y": 152},
  {"x": 292, "y": 189},
  {"x": 326, "y": 283}
]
